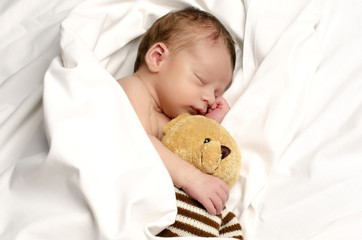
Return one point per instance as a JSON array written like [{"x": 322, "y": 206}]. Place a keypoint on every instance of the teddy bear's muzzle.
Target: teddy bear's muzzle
[{"x": 212, "y": 154}]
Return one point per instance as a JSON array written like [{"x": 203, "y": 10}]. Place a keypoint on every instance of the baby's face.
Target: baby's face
[{"x": 193, "y": 77}]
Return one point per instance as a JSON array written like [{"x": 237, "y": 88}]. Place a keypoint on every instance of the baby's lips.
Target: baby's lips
[{"x": 200, "y": 111}]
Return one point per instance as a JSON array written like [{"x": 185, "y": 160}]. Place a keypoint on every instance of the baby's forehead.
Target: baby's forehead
[{"x": 189, "y": 39}]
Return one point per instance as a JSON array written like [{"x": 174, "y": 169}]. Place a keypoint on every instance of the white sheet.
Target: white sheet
[
  {"x": 299, "y": 120},
  {"x": 296, "y": 115}
]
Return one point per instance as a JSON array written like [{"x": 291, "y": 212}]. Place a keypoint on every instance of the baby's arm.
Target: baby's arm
[
  {"x": 218, "y": 110},
  {"x": 209, "y": 190}
]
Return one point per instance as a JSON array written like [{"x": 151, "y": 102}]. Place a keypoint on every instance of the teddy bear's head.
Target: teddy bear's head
[{"x": 205, "y": 144}]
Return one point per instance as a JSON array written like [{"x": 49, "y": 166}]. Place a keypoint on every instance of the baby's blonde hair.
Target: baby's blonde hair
[{"x": 178, "y": 28}]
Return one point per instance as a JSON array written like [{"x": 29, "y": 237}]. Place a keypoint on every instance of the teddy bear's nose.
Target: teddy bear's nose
[{"x": 225, "y": 151}]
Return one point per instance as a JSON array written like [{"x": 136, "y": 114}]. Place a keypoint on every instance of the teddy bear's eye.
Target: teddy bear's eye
[{"x": 207, "y": 140}]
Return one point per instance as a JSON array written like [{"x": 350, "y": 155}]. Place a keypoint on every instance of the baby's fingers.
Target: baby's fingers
[
  {"x": 223, "y": 195},
  {"x": 218, "y": 204},
  {"x": 213, "y": 106},
  {"x": 226, "y": 189},
  {"x": 210, "y": 207}
]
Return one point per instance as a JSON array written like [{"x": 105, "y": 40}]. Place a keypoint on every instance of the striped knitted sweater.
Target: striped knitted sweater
[{"x": 192, "y": 219}]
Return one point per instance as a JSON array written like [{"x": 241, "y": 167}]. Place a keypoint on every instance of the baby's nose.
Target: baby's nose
[{"x": 209, "y": 98}]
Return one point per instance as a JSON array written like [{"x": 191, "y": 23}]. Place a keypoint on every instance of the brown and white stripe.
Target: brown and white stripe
[{"x": 192, "y": 219}]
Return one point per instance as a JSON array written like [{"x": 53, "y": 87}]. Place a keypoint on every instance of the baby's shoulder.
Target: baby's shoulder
[
  {"x": 135, "y": 90},
  {"x": 132, "y": 85},
  {"x": 142, "y": 103}
]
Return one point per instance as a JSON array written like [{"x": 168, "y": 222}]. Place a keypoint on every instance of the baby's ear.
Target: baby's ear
[{"x": 155, "y": 56}]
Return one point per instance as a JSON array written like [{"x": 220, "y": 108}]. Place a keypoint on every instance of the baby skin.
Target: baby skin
[{"x": 191, "y": 80}]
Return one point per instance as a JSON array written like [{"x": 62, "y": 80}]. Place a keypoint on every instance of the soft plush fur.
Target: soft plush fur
[{"x": 208, "y": 146}]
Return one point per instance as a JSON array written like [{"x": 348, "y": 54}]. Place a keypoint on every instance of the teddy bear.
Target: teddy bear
[{"x": 209, "y": 147}]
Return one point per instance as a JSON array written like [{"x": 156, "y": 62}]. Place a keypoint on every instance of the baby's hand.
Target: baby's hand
[
  {"x": 209, "y": 190},
  {"x": 218, "y": 109}
]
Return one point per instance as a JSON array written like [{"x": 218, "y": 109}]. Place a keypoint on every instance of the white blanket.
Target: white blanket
[{"x": 75, "y": 162}]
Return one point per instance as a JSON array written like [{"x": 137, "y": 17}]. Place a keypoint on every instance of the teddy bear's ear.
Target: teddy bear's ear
[{"x": 167, "y": 127}]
